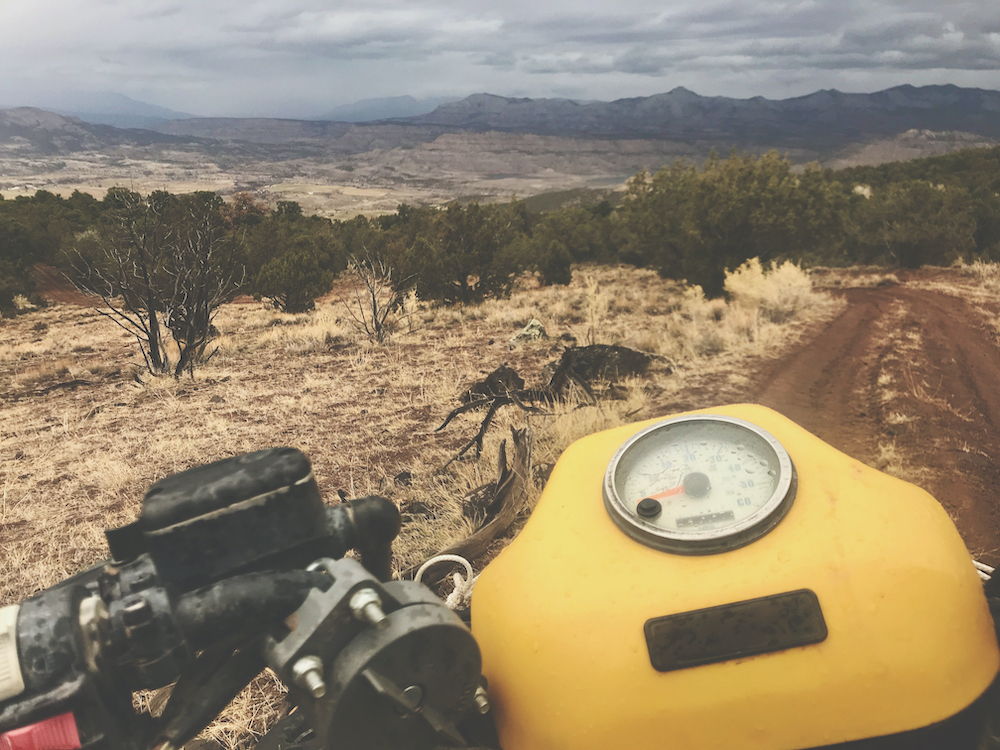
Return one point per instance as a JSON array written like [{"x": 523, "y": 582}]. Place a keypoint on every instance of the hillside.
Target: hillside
[
  {"x": 976, "y": 170},
  {"x": 913, "y": 144},
  {"x": 820, "y": 121},
  {"x": 36, "y": 131}
]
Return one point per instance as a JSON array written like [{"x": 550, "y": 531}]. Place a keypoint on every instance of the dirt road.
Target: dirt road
[{"x": 906, "y": 379}]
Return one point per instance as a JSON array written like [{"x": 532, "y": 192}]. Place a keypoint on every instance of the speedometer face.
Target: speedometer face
[{"x": 699, "y": 484}]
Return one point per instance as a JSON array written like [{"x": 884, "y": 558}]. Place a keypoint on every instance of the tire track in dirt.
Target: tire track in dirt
[
  {"x": 822, "y": 386},
  {"x": 909, "y": 374}
]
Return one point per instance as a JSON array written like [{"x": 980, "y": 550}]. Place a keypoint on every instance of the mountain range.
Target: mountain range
[
  {"x": 821, "y": 120},
  {"x": 483, "y": 146},
  {"x": 107, "y": 108},
  {"x": 816, "y": 126},
  {"x": 31, "y": 131}
]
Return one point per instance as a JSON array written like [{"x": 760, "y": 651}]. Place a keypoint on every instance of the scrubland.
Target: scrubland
[{"x": 85, "y": 429}]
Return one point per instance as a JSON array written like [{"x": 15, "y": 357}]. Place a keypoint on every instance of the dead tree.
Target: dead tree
[
  {"x": 162, "y": 265},
  {"x": 574, "y": 371},
  {"x": 206, "y": 271},
  {"x": 378, "y": 307},
  {"x": 123, "y": 262}
]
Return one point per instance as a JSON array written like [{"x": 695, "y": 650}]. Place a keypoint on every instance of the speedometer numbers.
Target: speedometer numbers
[{"x": 699, "y": 485}]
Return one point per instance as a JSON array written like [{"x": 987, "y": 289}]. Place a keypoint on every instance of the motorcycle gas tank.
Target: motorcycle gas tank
[{"x": 561, "y": 615}]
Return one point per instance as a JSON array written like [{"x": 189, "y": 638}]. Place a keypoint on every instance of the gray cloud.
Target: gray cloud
[
  {"x": 296, "y": 56},
  {"x": 820, "y": 36}
]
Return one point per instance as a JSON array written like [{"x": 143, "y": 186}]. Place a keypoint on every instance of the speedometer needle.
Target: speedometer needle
[
  {"x": 694, "y": 484},
  {"x": 667, "y": 493}
]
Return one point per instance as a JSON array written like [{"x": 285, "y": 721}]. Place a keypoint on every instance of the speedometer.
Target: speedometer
[{"x": 699, "y": 484}]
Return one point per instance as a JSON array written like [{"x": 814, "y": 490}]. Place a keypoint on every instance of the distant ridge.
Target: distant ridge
[
  {"x": 36, "y": 131},
  {"x": 108, "y": 108},
  {"x": 913, "y": 144},
  {"x": 825, "y": 126},
  {"x": 823, "y": 119},
  {"x": 386, "y": 108}
]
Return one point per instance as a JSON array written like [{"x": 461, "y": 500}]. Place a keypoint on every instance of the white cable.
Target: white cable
[
  {"x": 985, "y": 571},
  {"x": 460, "y": 597}
]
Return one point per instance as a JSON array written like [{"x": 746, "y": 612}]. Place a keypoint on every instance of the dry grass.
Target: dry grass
[
  {"x": 892, "y": 461},
  {"x": 922, "y": 391},
  {"x": 779, "y": 294},
  {"x": 988, "y": 274},
  {"x": 77, "y": 459},
  {"x": 978, "y": 283},
  {"x": 852, "y": 276}
]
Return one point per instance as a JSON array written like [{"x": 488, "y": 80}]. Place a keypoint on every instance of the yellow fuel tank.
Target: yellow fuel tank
[{"x": 561, "y": 615}]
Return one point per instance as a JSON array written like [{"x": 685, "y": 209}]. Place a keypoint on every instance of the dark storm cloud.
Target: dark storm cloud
[
  {"x": 831, "y": 36},
  {"x": 236, "y": 56}
]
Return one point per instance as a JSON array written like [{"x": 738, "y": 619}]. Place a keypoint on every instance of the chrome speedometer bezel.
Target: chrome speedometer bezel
[{"x": 708, "y": 541}]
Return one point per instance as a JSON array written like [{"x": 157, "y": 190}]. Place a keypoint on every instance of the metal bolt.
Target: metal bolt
[
  {"x": 136, "y": 611},
  {"x": 413, "y": 695},
  {"x": 367, "y": 606},
  {"x": 482, "y": 702},
  {"x": 307, "y": 673}
]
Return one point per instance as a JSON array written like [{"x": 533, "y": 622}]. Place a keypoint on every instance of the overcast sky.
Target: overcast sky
[{"x": 302, "y": 57}]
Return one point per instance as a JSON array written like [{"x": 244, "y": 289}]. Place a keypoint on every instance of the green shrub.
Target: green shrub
[
  {"x": 292, "y": 281},
  {"x": 554, "y": 264},
  {"x": 468, "y": 253}
]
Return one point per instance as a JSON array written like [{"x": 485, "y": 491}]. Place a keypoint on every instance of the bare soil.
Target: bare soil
[
  {"x": 858, "y": 386},
  {"x": 55, "y": 286}
]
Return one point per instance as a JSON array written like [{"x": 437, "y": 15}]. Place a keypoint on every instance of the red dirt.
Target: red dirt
[
  {"x": 948, "y": 380},
  {"x": 54, "y": 286}
]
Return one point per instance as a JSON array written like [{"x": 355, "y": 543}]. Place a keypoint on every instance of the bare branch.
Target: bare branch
[
  {"x": 163, "y": 262},
  {"x": 378, "y": 308}
]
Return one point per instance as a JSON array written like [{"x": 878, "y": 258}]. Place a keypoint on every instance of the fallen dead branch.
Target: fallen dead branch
[
  {"x": 576, "y": 369},
  {"x": 509, "y": 495},
  {"x": 494, "y": 403}
]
